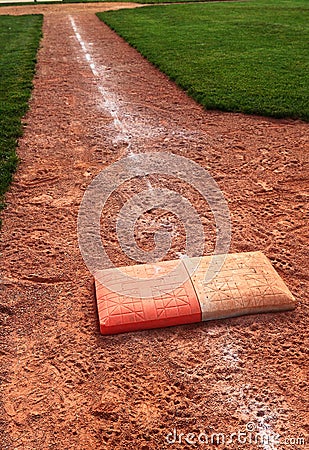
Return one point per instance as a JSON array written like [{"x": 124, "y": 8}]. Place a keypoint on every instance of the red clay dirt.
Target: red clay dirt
[{"x": 64, "y": 386}]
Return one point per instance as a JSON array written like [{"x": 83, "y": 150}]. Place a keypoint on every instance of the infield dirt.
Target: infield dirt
[{"x": 65, "y": 386}]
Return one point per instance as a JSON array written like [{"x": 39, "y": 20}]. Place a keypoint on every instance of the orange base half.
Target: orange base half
[{"x": 123, "y": 309}]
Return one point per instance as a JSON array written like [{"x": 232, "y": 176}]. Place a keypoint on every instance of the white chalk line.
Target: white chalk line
[
  {"x": 109, "y": 102},
  {"x": 127, "y": 128}
]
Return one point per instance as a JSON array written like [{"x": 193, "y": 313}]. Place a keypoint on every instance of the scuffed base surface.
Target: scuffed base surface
[{"x": 135, "y": 298}]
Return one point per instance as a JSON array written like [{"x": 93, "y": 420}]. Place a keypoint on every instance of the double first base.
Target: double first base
[{"x": 245, "y": 283}]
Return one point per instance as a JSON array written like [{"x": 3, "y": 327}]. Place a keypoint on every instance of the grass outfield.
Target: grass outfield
[
  {"x": 19, "y": 41},
  {"x": 249, "y": 57}
]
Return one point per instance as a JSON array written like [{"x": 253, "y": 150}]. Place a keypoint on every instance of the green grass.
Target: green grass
[
  {"x": 249, "y": 57},
  {"x": 19, "y": 41}
]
